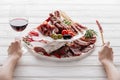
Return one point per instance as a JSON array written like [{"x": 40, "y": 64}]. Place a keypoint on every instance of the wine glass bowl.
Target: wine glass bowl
[
  {"x": 18, "y": 24},
  {"x": 18, "y": 19}
]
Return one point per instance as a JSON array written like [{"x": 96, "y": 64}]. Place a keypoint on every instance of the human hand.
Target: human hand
[
  {"x": 106, "y": 53},
  {"x": 15, "y": 50}
]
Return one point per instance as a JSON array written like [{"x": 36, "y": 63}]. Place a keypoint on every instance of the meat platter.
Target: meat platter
[{"x": 60, "y": 38}]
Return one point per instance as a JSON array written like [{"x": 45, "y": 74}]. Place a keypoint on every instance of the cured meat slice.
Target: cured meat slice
[
  {"x": 40, "y": 49},
  {"x": 88, "y": 48},
  {"x": 57, "y": 14},
  {"x": 81, "y": 26},
  {"x": 81, "y": 43},
  {"x": 75, "y": 51}
]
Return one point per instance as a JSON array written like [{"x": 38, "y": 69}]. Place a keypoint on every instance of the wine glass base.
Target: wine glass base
[{"x": 24, "y": 50}]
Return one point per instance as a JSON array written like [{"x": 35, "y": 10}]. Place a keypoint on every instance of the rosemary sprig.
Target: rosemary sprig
[{"x": 90, "y": 33}]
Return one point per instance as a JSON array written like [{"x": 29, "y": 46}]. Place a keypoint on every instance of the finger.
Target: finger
[
  {"x": 111, "y": 50},
  {"x": 107, "y": 44},
  {"x": 9, "y": 47},
  {"x": 12, "y": 43},
  {"x": 18, "y": 42},
  {"x": 99, "y": 52},
  {"x": 18, "y": 39}
]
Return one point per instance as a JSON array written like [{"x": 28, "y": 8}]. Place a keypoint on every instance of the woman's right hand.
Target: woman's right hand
[{"x": 15, "y": 50}]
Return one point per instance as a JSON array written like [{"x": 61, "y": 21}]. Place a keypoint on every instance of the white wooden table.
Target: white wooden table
[{"x": 83, "y": 11}]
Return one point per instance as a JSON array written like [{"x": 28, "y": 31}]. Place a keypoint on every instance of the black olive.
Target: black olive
[{"x": 67, "y": 36}]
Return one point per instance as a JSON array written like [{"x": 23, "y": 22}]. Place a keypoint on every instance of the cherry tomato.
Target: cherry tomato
[
  {"x": 64, "y": 32},
  {"x": 71, "y": 33},
  {"x": 68, "y": 32}
]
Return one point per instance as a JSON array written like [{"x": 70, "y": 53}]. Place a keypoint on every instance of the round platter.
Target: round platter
[
  {"x": 52, "y": 58},
  {"x": 59, "y": 38}
]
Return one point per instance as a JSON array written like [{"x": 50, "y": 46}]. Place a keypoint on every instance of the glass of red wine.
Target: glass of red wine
[
  {"x": 18, "y": 20},
  {"x": 18, "y": 24}
]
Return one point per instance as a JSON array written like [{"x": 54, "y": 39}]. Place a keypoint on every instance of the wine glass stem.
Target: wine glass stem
[{"x": 18, "y": 36}]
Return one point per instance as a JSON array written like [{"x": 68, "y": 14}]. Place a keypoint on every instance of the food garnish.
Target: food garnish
[
  {"x": 67, "y": 22},
  {"x": 90, "y": 33}
]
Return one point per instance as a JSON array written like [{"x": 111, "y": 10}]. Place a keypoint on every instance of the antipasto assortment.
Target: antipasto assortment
[{"x": 51, "y": 38}]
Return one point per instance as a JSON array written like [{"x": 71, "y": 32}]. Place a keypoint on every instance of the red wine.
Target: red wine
[{"x": 18, "y": 24}]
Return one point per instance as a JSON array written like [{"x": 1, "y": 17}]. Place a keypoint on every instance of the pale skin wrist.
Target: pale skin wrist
[
  {"x": 11, "y": 60},
  {"x": 15, "y": 57},
  {"x": 111, "y": 70},
  {"x": 107, "y": 62}
]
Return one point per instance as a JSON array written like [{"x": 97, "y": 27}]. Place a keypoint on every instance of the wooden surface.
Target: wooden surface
[{"x": 83, "y": 11}]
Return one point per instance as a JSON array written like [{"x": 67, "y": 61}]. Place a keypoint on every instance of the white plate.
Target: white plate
[{"x": 72, "y": 58}]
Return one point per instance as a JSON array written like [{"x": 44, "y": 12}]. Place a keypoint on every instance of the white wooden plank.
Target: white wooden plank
[
  {"x": 43, "y": 8},
  {"x": 83, "y": 13},
  {"x": 83, "y": 71},
  {"x": 83, "y": 6},
  {"x": 76, "y": 7},
  {"x": 59, "y": 1},
  {"x": 19, "y": 78},
  {"x": 43, "y": 62}
]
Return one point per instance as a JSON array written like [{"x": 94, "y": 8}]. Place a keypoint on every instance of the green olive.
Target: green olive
[{"x": 59, "y": 36}]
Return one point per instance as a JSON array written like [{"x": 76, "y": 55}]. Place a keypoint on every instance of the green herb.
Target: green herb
[
  {"x": 90, "y": 33},
  {"x": 67, "y": 22}
]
